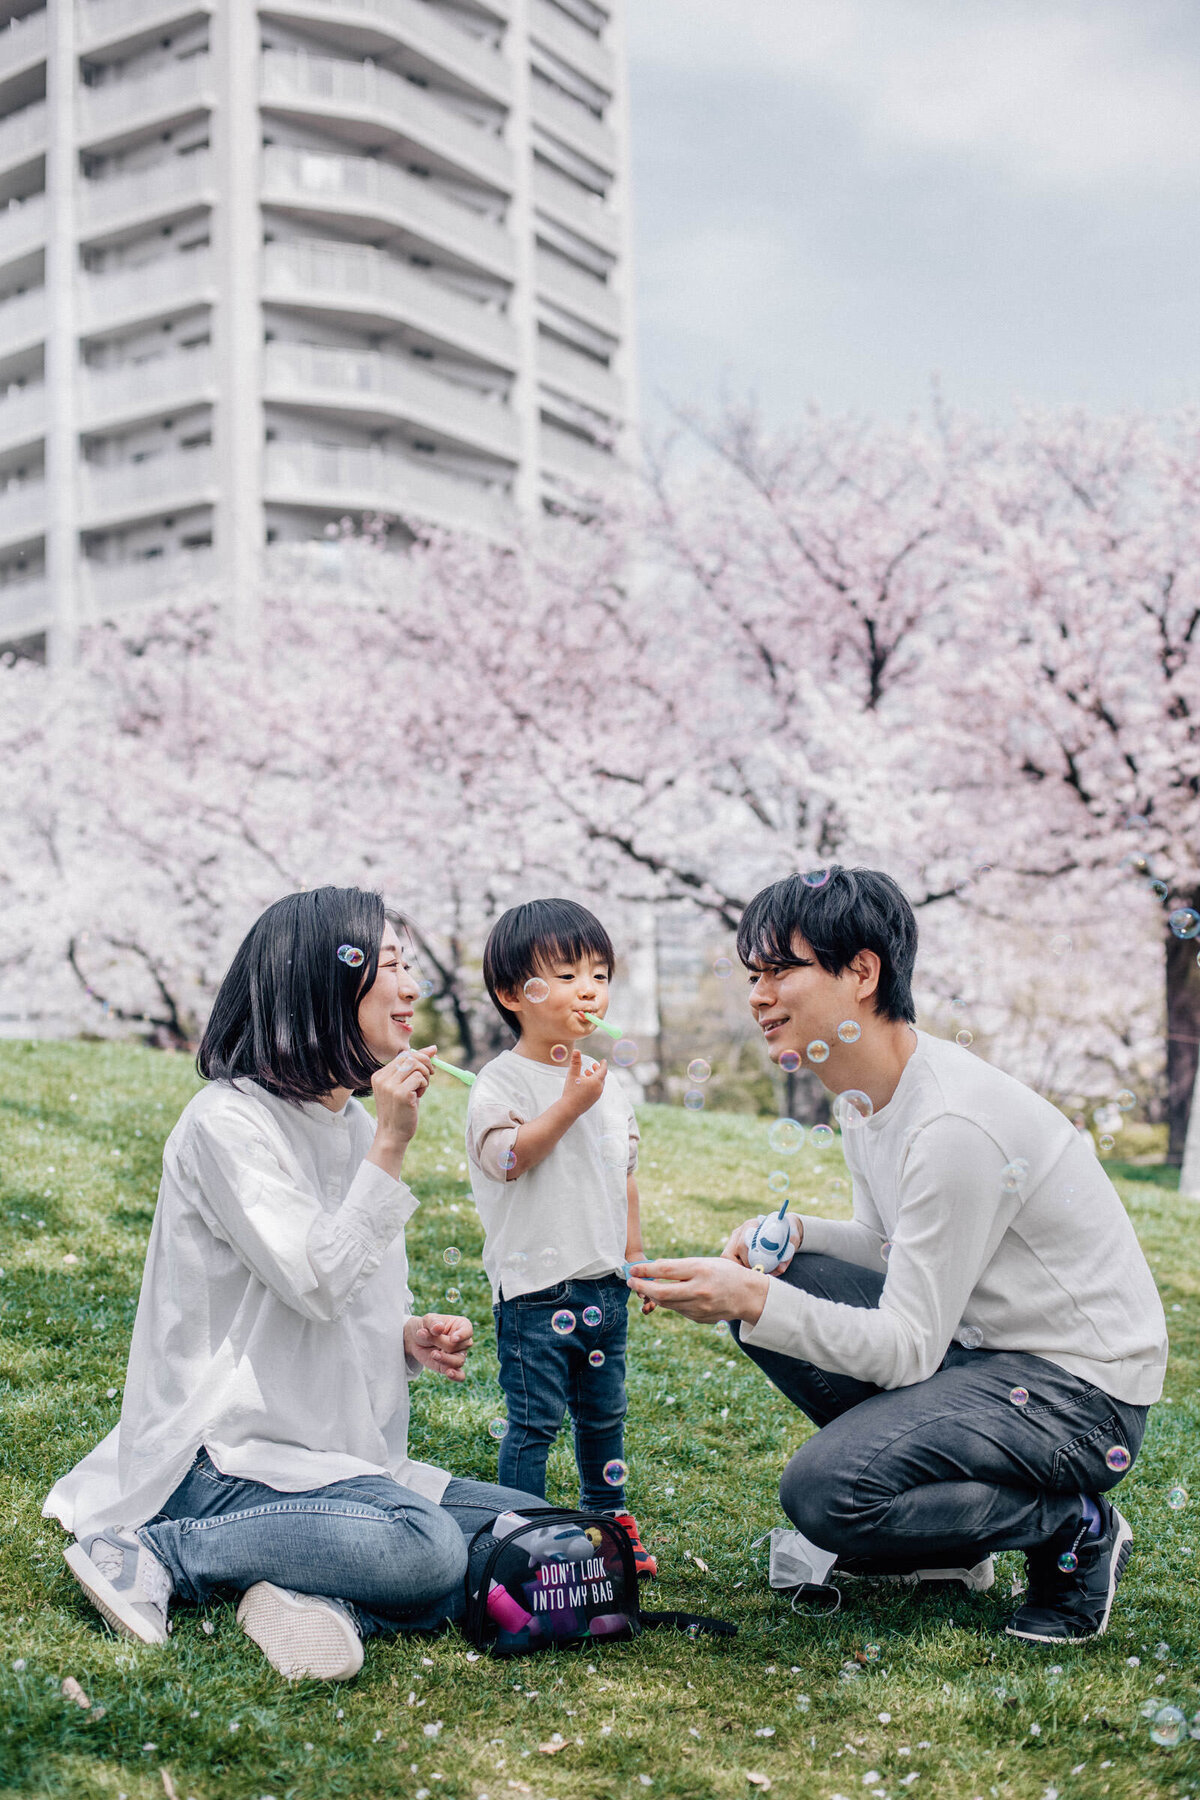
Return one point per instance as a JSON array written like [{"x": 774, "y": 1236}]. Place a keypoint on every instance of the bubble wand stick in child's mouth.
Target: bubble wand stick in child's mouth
[{"x": 614, "y": 1031}]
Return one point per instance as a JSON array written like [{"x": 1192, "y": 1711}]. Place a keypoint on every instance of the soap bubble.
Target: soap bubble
[
  {"x": 592, "y": 1315},
  {"x": 722, "y": 968},
  {"x": 559, "y": 1053},
  {"x": 1019, "y": 1396},
  {"x": 1118, "y": 1459},
  {"x": 547, "y": 1258},
  {"x": 1162, "y": 1651},
  {"x": 1185, "y": 923},
  {"x": 871, "y": 1652},
  {"x": 563, "y": 1322},
  {"x": 1168, "y": 1727},
  {"x": 508, "y": 1159},
  {"x": 1159, "y": 889},
  {"x": 839, "y": 1184},
  {"x": 852, "y": 1109},
  {"x": 1014, "y": 1175},
  {"x": 1060, "y": 945},
  {"x": 778, "y": 1182},
  {"x": 497, "y": 1427},
  {"x": 1126, "y": 1099},
  {"x": 454, "y": 1296},
  {"x": 964, "y": 1039},
  {"x": 614, "y": 1149},
  {"x": 424, "y": 988},
  {"x": 786, "y": 1136},
  {"x": 698, "y": 1071},
  {"x": 616, "y": 1472},
  {"x": 1107, "y": 1142},
  {"x": 596, "y": 1358},
  {"x": 818, "y": 1051},
  {"x": 351, "y": 955},
  {"x": 536, "y": 990},
  {"x": 970, "y": 1337},
  {"x": 1068, "y": 1562},
  {"x": 1194, "y": 1725},
  {"x": 624, "y": 1053},
  {"x": 821, "y": 1136},
  {"x": 694, "y": 1100},
  {"x": 885, "y": 1250},
  {"x": 849, "y": 1671},
  {"x": 452, "y": 1257},
  {"x": 1177, "y": 1498},
  {"x": 789, "y": 1062},
  {"x": 849, "y": 1031},
  {"x": 816, "y": 878}
]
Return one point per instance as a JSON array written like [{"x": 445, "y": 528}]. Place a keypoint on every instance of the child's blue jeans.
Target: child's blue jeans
[{"x": 546, "y": 1373}]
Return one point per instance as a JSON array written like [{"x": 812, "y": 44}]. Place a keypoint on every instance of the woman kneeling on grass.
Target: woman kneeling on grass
[{"x": 263, "y": 1442}]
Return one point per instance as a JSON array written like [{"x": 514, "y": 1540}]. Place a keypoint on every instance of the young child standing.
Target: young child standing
[{"x": 552, "y": 1149}]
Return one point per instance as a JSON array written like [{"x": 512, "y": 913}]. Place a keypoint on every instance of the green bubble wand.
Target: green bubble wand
[
  {"x": 614, "y": 1031},
  {"x": 463, "y": 1075}
]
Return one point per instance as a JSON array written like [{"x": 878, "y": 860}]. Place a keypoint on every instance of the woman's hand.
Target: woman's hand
[
  {"x": 439, "y": 1341},
  {"x": 397, "y": 1088}
]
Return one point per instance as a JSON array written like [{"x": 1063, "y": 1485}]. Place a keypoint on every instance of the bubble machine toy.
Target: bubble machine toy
[{"x": 768, "y": 1241}]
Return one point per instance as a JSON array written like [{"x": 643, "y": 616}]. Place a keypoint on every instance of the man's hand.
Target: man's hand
[
  {"x": 582, "y": 1087},
  {"x": 439, "y": 1341},
  {"x": 704, "y": 1288},
  {"x": 736, "y": 1249}
]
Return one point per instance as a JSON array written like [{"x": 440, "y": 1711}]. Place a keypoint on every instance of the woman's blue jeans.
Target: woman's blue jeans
[
  {"x": 545, "y": 1372},
  {"x": 396, "y": 1559}
]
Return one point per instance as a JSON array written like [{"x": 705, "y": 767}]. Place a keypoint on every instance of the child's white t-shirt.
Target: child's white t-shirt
[{"x": 565, "y": 1219}]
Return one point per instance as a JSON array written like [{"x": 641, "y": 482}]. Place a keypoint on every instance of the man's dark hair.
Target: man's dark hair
[
  {"x": 527, "y": 937},
  {"x": 286, "y": 1014},
  {"x": 837, "y": 912}
]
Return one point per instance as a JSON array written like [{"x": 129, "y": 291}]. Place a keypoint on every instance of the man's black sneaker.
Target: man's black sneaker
[{"x": 1072, "y": 1585}]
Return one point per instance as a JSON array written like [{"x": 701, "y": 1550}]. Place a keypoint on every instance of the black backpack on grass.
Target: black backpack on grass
[{"x": 560, "y": 1578}]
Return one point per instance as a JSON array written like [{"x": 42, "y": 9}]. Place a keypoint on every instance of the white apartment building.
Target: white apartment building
[{"x": 263, "y": 266}]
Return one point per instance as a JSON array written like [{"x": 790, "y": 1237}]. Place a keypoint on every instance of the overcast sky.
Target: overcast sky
[{"x": 837, "y": 200}]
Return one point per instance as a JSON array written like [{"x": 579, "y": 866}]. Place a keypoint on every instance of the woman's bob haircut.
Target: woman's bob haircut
[{"x": 286, "y": 1014}]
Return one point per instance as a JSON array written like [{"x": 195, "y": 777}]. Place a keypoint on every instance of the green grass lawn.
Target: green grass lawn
[{"x": 949, "y": 1707}]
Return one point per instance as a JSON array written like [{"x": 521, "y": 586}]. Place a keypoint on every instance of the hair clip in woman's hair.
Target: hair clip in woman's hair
[{"x": 351, "y": 955}]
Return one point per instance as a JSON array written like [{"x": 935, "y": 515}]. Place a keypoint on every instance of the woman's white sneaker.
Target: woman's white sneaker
[
  {"x": 305, "y": 1636},
  {"x": 125, "y": 1582}
]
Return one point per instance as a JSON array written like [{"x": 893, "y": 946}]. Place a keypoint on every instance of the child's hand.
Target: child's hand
[{"x": 583, "y": 1087}]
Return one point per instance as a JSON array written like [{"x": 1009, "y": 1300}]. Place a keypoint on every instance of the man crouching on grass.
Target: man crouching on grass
[{"x": 980, "y": 1344}]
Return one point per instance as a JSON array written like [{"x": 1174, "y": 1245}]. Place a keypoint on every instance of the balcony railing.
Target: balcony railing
[
  {"x": 332, "y": 85},
  {"x": 577, "y": 47},
  {"x": 22, "y": 320},
  {"x": 177, "y": 280},
  {"x": 357, "y": 278},
  {"x": 22, "y": 41},
  {"x": 107, "y": 588},
  {"x": 22, "y": 509},
  {"x": 24, "y": 607},
  {"x": 420, "y": 27},
  {"x": 23, "y": 134},
  {"x": 574, "y": 460},
  {"x": 165, "y": 186},
  {"x": 568, "y": 287},
  {"x": 571, "y": 122},
  {"x": 182, "y": 378},
  {"x": 175, "y": 478},
  {"x": 575, "y": 208},
  {"x": 177, "y": 87},
  {"x": 381, "y": 191},
  {"x": 102, "y": 21},
  {"x": 22, "y": 227},
  {"x": 367, "y": 480},
  {"x": 387, "y": 384},
  {"x": 23, "y": 415},
  {"x": 580, "y": 377}
]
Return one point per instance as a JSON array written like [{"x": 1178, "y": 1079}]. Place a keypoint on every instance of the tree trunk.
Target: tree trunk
[
  {"x": 1183, "y": 1033},
  {"x": 1189, "y": 1174}
]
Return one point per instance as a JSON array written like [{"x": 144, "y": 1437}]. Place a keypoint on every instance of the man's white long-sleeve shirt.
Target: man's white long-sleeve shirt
[
  {"x": 270, "y": 1326},
  {"x": 999, "y": 1218}
]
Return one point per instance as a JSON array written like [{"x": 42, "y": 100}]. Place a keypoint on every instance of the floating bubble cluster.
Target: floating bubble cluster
[
  {"x": 789, "y": 1062},
  {"x": 1185, "y": 922},
  {"x": 821, "y": 1136},
  {"x": 592, "y": 1315},
  {"x": 817, "y": 1051},
  {"x": 497, "y": 1428},
  {"x": 1060, "y": 945},
  {"x": 849, "y": 1031},
  {"x": 852, "y": 1109},
  {"x": 885, "y": 1250},
  {"x": 559, "y": 1053},
  {"x": 970, "y": 1337},
  {"x": 964, "y": 1038},
  {"x": 1019, "y": 1396},
  {"x": 596, "y": 1358},
  {"x": 536, "y": 990},
  {"x": 616, "y": 1472},
  {"x": 722, "y": 968},
  {"x": 694, "y": 1100},
  {"x": 424, "y": 988},
  {"x": 1177, "y": 1498},
  {"x": 563, "y": 1322},
  {"x": 1168, "y": 1727},
  {"x": 614, "y": 1150},
  {"x": 1126, "y": 1099},
  {"x": 351, "y": 955},
  {"x": 1068, "y": 1562},
  {"x": 624, "y": 1053},
  {"x": 778, "y": 1182},
  {"x": 1158, "y": 888},
  {"x": 698, "y": 1071},
  {"x": 1107, "y": 1141},
  {"x": 508, "y": 1159},
  {"x": 1014, "y": 1175},
  {"x": 452, "y": 1257},
  {"x": 453, "y": 1296},
  {"x": 1118, "y": 1459},
  {"x": 786, "y": 1136},
  {"x": 816, "y": 878}
]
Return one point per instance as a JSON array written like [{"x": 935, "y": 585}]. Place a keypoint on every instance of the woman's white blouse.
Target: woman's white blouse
[{"x": 270, "y": 1326}]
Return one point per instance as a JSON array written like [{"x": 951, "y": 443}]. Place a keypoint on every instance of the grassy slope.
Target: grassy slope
[{"x": 973, "y": 1712}]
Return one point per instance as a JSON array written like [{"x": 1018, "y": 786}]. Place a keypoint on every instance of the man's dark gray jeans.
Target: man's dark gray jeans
[{"x": 949, "y": 1469}]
